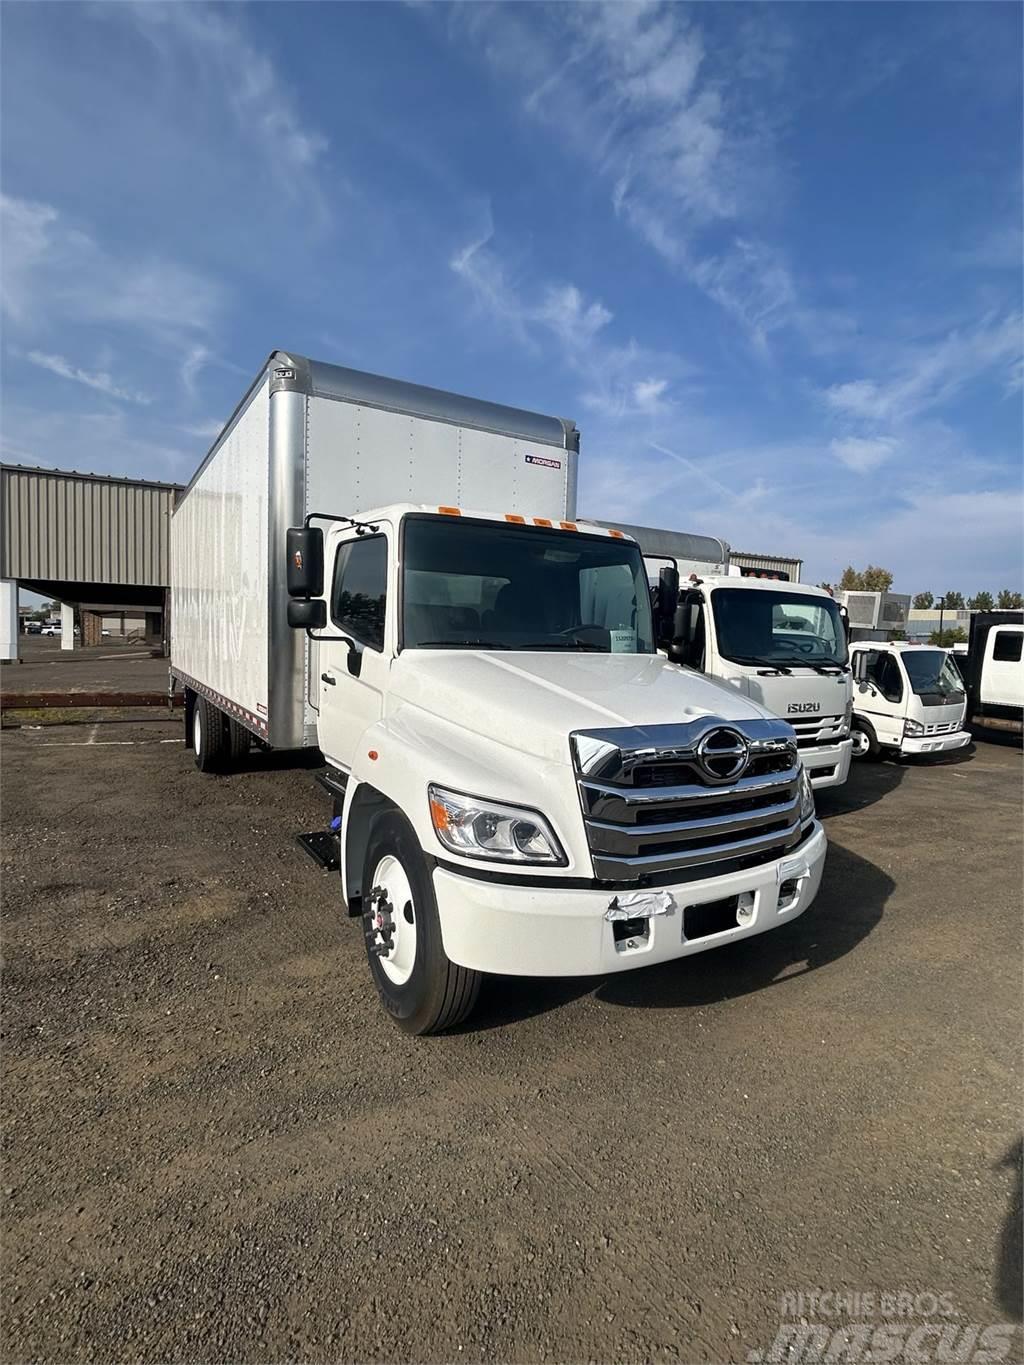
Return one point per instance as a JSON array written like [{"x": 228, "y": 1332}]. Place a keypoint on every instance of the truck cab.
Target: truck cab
[
  {"x": 907, "y": 698},
  {"x": 524, "y": 783},
  {"x": 781, "y": 644}
]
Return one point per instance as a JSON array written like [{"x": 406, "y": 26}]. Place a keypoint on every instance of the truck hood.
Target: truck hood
[
  {"x": 801, "y": 695},
  {"x": 534, "y": 701}
]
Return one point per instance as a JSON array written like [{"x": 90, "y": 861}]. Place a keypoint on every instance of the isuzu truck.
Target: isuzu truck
[
  {"x": 521, "y": 783},
  {"x": 906, "y": 698},
  {"x": 782, "y": 644}
]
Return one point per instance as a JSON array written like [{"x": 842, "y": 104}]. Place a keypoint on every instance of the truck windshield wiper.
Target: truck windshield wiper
[
  {"x": 769, "y": 665},
  {"x": 563, "y": 644},
  {"x": 459, "y": 644}
]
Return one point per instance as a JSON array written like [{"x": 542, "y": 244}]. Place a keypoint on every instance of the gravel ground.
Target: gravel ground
[{"x": 217, "y": 1147}]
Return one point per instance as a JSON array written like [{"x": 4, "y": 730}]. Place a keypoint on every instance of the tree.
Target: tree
[
  {"x": 923, "y": 601},
  {"x": 952, "y": 601},
  {"x": 871, "y": 579},
  {"x": 981, "y": 601},
  {"x": 1007, "y": 600},
  {"x": 945, "y": 638}
]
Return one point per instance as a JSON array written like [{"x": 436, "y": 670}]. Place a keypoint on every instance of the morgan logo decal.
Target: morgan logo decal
[
  {"x": 801, "y": 707},
  {"x": 541, "y": 459}
]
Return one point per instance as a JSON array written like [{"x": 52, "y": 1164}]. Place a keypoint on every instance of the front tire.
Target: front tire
[
  {"x": 208, "y": 738},
  {"x": 418, "y": 986},
  {"x": 865, "y": 742}
]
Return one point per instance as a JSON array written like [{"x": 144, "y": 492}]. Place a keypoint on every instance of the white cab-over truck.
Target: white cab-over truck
[
  {"x": 782, "y": 644},
  {"x": 521, "y": 783},
  {"x": 907, "y": 698},
  {"x": 994, "y": 670}
]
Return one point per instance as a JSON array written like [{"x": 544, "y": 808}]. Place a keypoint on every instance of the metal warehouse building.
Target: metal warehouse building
[
  {"x": 768, "y": 564},
  {"x": 96, "y": 544}
]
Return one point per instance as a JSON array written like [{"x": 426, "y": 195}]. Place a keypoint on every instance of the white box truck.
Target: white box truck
[
  {"x": 994, "y": 670},
  {"x": 521, "y": 783},
  {"x": 782, "y": 644}
]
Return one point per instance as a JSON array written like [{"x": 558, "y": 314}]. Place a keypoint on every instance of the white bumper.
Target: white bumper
[
  {"x": 535, "y": 931},
  {"x": 934, "y": 744},
  {"x": 828, "y": 765}
]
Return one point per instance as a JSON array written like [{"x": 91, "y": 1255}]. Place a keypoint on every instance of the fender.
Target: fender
[{"x": 413, "y": 748}]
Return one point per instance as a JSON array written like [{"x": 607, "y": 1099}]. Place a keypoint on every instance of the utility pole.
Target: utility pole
[{"x": 942, "y": 608}]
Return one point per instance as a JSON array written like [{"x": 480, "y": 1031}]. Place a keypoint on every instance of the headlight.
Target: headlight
[
  {"x": 477, "y": 828},
  {"x": 806, "y": 797},
  {"x": 913, "y": 727}
]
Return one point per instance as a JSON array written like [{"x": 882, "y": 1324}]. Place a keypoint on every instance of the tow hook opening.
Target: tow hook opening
[
  {"x": 630, "y": 933},
  {"x": 788, "y": 892}
]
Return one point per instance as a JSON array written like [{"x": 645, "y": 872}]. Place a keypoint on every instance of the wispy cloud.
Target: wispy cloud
[
  {"x": 863, "y": 453},
  {"x": 234, "y": 67},
  {"x": 204, "y": 431},
  {"x": 619, "y": 381},
  {"x": 92, "y": 379},
  {"x": 671, "y": 127},
  {"x": 55, "y": 273},
  {"x": 929, "y": 376}
]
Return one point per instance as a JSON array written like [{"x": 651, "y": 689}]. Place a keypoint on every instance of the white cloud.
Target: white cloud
[
  {"x": 93, "y": 379},
  {"x": 679, "y": 132},
  {"x": 863, "y": 453},
  {"x": 204, "y": 431},
  {"x": 57, "y": 274},
  {"x": 619, "y": 381},
  {"x": 926, "y": 377},
  {"x": 238, "y": 71}
]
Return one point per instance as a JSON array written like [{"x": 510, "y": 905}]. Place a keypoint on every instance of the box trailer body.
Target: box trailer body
[
  {"x": 521, "y": 783},
  {"x": 801, "y": 672},
  {"x": 994, "y": 670},
  {"x": 310, "y": 437},
  {"x": 875, "y": 615}
]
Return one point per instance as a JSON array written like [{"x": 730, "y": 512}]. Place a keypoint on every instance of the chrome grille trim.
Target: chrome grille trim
[{"x": 617, "y": 779}]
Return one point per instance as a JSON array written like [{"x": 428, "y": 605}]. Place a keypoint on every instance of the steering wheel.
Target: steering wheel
[
  {"x": 575, "y": 630},
  {"x": 804, "y": 646}
]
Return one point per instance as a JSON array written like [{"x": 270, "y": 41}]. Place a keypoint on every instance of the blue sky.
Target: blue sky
[{"x": 767, "y": 257}]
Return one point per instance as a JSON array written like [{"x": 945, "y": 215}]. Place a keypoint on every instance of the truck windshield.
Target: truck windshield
[
  {"x": 779, "y": 628},
  {"x": 931, "y": 672},
  {"x": 489, "y": 585}
]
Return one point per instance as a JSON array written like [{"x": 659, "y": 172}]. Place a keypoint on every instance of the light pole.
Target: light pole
[{"x": 942, "y": 608}]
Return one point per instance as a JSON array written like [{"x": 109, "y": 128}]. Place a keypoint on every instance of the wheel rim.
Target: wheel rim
[
  {"x": 197, "y": 731},
  {"x": 393, "y": 920},
  {"x": 860, "y": 743}
]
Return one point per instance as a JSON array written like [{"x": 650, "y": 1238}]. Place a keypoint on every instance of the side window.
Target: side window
[
  {"x": 1007, "y": 646},
  {"x": 889, "y": 679},
  {"x": 360, "y": 590}
]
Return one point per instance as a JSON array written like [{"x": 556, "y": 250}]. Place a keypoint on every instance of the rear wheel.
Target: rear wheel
[
  {"x": 418, "y": 986},
  {"x": 239, "y": 741},
  {"x": 865, "y": 743},
  {"x": 209, "y": 741}
]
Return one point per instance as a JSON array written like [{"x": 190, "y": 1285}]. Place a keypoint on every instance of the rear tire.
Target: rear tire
[
  {"x": 865, "y": 743},
  {"x": 418, "y": 986},
  {"x": 239, "y": 741},
  {"x": 209, "y": 742}
]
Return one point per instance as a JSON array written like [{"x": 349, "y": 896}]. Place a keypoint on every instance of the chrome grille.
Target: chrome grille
[
  {"x": 815, "y": 730},
  {"x": 653, "y": 803}
]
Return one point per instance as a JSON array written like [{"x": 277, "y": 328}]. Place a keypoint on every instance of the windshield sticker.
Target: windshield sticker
[
  {"x": 541, "y": 459},
  {"x": 623, "y": 641}
]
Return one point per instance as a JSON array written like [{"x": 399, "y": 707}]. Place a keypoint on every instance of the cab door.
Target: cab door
[
  {"x": 1002, "y": 672},
  {"x": 353, "y": 655},
  {"x": 880, "y": 694}
]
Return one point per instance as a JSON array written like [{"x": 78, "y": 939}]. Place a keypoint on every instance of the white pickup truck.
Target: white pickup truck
[{"x": 522, "y": 784}]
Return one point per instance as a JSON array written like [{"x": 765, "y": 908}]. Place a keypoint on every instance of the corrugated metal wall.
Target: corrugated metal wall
[
  {"x": 777, "y": 563},
  {"x": 84, "y": 529}
]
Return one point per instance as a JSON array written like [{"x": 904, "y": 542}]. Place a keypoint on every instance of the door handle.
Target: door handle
[{"x": 328, "y": 678}]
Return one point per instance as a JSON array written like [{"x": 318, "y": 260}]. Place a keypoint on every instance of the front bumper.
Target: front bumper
[
  {"x": 934, "y": 744},
  {"x": 535, "y": 931},
  {"x": 829, "y": 764}
]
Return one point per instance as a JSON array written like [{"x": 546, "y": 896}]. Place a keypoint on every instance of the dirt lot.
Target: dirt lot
[{"x": 218, "y": 1148}]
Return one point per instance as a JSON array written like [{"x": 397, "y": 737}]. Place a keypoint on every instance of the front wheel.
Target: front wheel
[
  {"x": 418, "y": 986},
  {"x": 865, "y": 743}
]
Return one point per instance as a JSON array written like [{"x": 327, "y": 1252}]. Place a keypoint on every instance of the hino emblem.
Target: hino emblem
[
  {"x": 799, "y": 707},
  {"x": 723, "y": 755}
]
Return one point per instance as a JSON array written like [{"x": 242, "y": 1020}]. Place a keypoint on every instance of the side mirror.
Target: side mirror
[
  {"x": 305, "y": 561},
  {"x": 668, "y": 600},
  {"x": 307, "y": 613},
  {"x": 683, "y": 623},
  {"x": 860, "y": 667}
]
